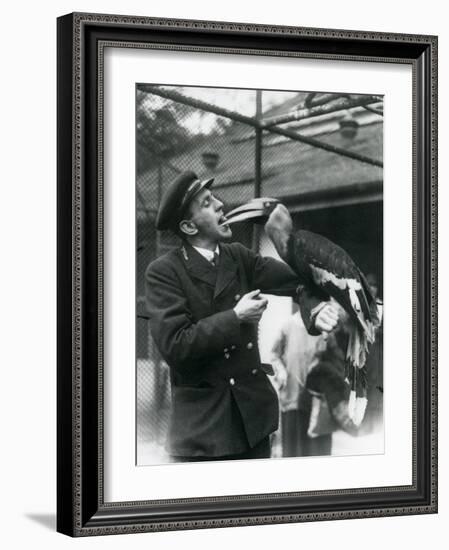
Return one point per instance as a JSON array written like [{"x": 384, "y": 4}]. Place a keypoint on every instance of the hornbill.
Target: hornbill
[{"x": 323, "y": 265}]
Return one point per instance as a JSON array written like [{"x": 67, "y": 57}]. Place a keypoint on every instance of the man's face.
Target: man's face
[{"x": 205, "y": 213}]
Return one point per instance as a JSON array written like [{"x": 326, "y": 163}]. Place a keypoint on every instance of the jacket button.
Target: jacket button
[
  {"x": 250, "y": 345},
  {"x": 226, "y": 350},
  {"x": 237, "y": 297},
  {"x": 227, "y": 356},
  {"x": 254, "y": 371},
  {"x": 232, "y": 347},
  {"x": 232, "y": 381}
]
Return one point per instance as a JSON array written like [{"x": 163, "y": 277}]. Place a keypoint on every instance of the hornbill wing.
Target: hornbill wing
[
  {"x": 323, "y": 253},
  {"x": 332, "y": 269},
  {"x": 371, "y": 302}
]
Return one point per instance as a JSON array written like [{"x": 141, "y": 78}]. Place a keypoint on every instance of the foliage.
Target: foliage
[{"x": 165, "y": 129}]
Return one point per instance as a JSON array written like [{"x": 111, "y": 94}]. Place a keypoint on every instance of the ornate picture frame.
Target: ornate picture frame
[{"x": 81, "y": 508}]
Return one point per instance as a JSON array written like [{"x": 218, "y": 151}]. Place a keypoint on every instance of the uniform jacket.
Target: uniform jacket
[{"x": 222, "y": 401}]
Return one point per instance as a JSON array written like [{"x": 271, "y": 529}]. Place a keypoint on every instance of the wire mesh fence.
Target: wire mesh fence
[
  {"x": 321, "y": 166},
  {"x": 173, "y": 137}
]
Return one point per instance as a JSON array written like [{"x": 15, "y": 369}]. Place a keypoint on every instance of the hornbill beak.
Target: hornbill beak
[{"x": 257, "y": 210}]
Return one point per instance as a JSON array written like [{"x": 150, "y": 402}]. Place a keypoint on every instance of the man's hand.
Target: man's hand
[
  {"x": 280, "y": 375},
  {"x": 327, "y": 318},
  {"x": 250, "y": 307}
]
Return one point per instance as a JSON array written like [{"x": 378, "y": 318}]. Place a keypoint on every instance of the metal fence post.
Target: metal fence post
[{"x": 257, "y": 164}]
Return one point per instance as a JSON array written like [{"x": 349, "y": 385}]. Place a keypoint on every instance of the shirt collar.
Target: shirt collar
[{"x": 206, "y": 253}]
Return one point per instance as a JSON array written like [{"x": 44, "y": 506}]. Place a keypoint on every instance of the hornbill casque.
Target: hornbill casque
[{"x": 322, "y": 264}]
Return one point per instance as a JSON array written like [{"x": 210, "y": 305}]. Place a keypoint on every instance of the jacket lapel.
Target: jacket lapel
[
  {"x": 198, "y": 266},
  {"x": 227, "y": 269}
]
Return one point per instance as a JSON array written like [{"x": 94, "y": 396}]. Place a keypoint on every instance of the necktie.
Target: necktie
[{"x": 214, "y": 261}]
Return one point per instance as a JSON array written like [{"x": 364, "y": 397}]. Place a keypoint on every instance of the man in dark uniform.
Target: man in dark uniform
[{"x": 204, "y": 304}]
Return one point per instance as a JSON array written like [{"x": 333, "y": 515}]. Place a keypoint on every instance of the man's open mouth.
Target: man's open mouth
[{"x": 222, "y": 221}]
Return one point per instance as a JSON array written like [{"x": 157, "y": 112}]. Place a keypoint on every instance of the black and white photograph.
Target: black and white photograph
[
  {"x": 222, "y": 286},
  {"x": 254, "y": 258},
  {"x": 259, "y": 274}
]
